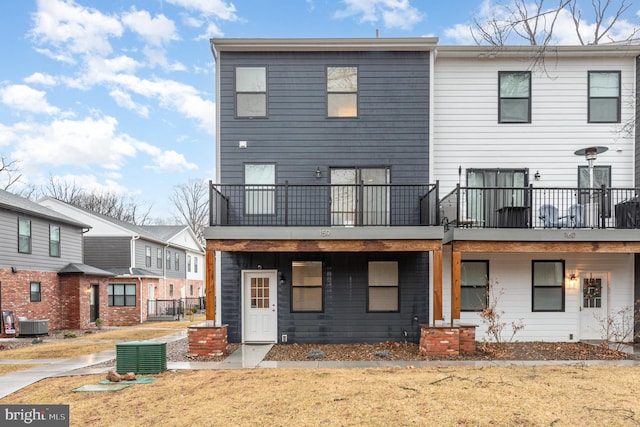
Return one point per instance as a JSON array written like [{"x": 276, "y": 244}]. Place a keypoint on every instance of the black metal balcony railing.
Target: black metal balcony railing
[
  {"x": 323, "y": 205},
  {"x": 529, "y": 207}
]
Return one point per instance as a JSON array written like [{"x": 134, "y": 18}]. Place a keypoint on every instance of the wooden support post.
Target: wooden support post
[
  {"x": 437, "y": 285},
  {"x": 455, "y": 285},
  {"x": 210, "y": 289}
]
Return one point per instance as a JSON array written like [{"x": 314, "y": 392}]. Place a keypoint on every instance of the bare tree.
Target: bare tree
[
  {"x": 191, "y": 200},
  {"x": 10, "y": 172},
  {"x": 109, "y": 203},
  {"x": 534, "y": 22}
]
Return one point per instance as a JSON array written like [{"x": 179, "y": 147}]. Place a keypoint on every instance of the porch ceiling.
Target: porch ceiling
[{"x": 317, "y": 245}]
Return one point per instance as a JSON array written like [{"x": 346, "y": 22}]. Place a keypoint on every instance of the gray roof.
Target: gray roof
[
  {"x": 77, "y": 268},
  {"x": 134, "y": 272},
  {"x": 19, "y": 204},
  {"x": 163, "y": 232}
]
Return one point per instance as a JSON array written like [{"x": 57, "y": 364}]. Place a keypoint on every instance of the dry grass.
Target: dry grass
[
  {"x": 5, "y": 369},
  {"x": 503, "y": 396}
]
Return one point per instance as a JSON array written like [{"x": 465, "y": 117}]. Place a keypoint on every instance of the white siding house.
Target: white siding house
[{"x": 473, "y": 148}]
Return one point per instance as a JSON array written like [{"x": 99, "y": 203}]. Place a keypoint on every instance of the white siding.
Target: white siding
[{"x": 467, "y": 132}]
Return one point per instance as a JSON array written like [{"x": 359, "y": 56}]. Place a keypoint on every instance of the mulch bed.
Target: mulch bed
[{"x": 411, "y": 352}]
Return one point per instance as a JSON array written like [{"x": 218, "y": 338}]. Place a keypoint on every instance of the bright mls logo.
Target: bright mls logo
[{"x": 34, "y": 415}]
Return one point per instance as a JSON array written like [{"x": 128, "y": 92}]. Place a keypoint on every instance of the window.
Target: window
[
  {"x": 342, "y": 91},
  {"x": 195, "y": 264},
  {"x": 604, "y": 97},
  {"x": 514, "y": 105},
  {"x": 190, "y": 289},
  {"x": 260, "y": 190},
  {"x": 548, "y": 286},
  {"x": 474, "y": 285},
  {"x": 35, "y": 292},
  {"x": 251, "y": 92},
  {"x": 159, "y": 258},
  {"x": 383, "y": 286},
  {"x": 593, "y": 199},
  {"x": 54, "y": 240},
  {"x": 348, "y": 198},
  {"x": 492, "y": 190},
  {"x": 170, "y": 289},
  {"x": 177, "y": 261},
  {"x": 189, "y": 263},
  {"x": 306, "y": 286},
  {"x": 168, "y": 260},
  {"x": 24, "y": 236},
  {"x": 147, "y": 256},
  {"x": 122, "y": 295}
]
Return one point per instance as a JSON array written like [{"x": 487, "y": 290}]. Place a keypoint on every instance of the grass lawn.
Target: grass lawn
[{"x": 495, "y": 396}]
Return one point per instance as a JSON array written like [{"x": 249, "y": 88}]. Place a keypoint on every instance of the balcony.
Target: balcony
[
  {"x": 541, "y": 208},
  {"x": 287, "y": 205}
]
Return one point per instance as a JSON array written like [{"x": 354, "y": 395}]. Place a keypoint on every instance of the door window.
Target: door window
[{"x": 360, "y": 196}]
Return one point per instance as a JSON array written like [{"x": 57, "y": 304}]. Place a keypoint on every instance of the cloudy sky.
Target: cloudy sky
[{"x": 119, "y": 95}]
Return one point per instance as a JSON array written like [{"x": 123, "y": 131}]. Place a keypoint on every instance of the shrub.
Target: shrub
[
  {"x": 70, "y": 335},
  {"x": 492, "y": 317}
]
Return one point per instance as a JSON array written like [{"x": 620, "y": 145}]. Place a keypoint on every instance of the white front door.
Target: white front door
[
  {"x": 260, "y": 304},
  {"x": 593, "y": 305}
]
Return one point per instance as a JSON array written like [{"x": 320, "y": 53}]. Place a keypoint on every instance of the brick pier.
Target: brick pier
[
  {"x": 447, "y": 340},
  {"x": 207, "y": 340}
]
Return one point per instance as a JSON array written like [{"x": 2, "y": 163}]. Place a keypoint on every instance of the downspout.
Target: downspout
[
  {"x": 140, "y": 280},
  {"x": 132, "y": 263}
]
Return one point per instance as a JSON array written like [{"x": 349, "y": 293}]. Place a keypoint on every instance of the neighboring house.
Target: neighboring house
[
  {"x": 42, "y": 275},
  {"x": 508, "y": 143},
  {"x": 149, "y": 264},
  {"x": 324, "y": 225}
]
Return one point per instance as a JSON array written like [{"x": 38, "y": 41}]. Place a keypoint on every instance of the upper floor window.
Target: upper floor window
[
  {"x": 260, "y": 190},
  {"x": 168, "y": 260},
  {"x": 195, "y": 264},
  {"x": 159, "y": 258},
  {"x": 24, "y": 235},
  {"x": 306, "y": 286},
  {"x": 474, "y": 285},
  {"x": 514, "y": 105},
  {"x": 548, "y": 286},
  {"x": 604, "y": 96},
  {"x": 342, "y": 91},
  {"x": 54, "y": 240},
  {"x": 383, "y": 286},
  {"x": 188, "y": 263},
  {"x": 147, "y": 256},
  {"x": 177, "y": 261},
  {"x": 251, "y": 92}
]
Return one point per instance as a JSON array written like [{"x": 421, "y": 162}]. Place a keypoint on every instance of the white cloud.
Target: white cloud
[
  {"x": 41, "y": 79},
  {"x": 155, "y": 31},
  {"x": 25, "y": 98},
  {"x": 73, "y": 29},
  {"x": 460, "y": 33},
  {"x": 89, "y": 182},
  {"x": 393, "y": 13},
  {"x": 124, "y": 100},
  {"x": 209, "y": 8},
  {"x": 165, "y": 161},
  {"x": 212, "y": 30}
]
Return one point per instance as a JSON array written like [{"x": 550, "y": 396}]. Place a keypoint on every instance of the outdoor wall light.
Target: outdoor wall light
[
  {"x": 537, "y": 176},
  {"x": 14, "y": 270},
  {"x": 318, "y": 172},
  {"x": 573, "y": 281},
  {"x": 282, "y": 279}
]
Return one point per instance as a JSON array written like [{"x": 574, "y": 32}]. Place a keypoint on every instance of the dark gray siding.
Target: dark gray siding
[
  {"x": 391, "y": 129},
  {"x": 141, "y": 244},
  {"x": 181, "y": 273},
  {"x": 38, "y": 259},
  {"x": 107, "y": 252},
  {"x": 345, "y": 318}
]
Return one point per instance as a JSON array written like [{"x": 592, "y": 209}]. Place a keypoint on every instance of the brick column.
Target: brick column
[
  {"x": 447, "y": 341},
  {"x": 207, "y": 340}
]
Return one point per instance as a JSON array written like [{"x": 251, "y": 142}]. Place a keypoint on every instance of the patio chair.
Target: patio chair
[
  {"x": 549, "y": 216},
  {"x": 575, "y": 218}
]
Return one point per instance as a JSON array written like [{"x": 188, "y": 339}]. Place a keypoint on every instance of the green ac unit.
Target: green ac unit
[{"x": 141, "y": 357}]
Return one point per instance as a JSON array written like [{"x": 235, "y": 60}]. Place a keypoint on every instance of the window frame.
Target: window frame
[
  {"x": 486, "y": 286},
  {"x": 159, "y": 257},
  {"x": 53, "y": 243},
  {"x": 176, "y": 257},
  {"x": 195, "y": 264},
  {"x": 170, "y": 289},
  {"x": 188, "y": 262},
  {"x": 370, "y": 286},
  {"x": 24, "y": 237},
  {"x": 239, "y": 93},
  {"x": 127, "y": 296},
  {"x": 585, "y": 191},
  {"x": 35, "y": 296},
  {"x": 501, "y": 120},
  {"x": 562, "y": 287},
  {"x": 147, "y": 256},
  {"x": 259, "y": 195},
  {"x": 618, "y": 98},
  {"x": 294, "y": 287},
  {"x": 168, "y": 259},
  {"x": 342, "y": 93}
]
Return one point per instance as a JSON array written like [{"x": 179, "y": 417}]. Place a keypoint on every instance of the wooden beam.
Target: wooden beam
[
  {"x": 456, "y": 258},
  {"x": 385, "y": 245},
  {"x": 552, "y": 247},
  {"x": 437, "y": 285},
  {"x": 210, "y": 286}
]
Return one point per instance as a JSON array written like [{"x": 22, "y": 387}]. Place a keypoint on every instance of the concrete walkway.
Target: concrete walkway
[{"x": 249, "y": 356}]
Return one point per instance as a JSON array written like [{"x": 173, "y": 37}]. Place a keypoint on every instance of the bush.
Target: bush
[
  {"x": 99, "y": 323},
  {"x": 70, "y": 335}
]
